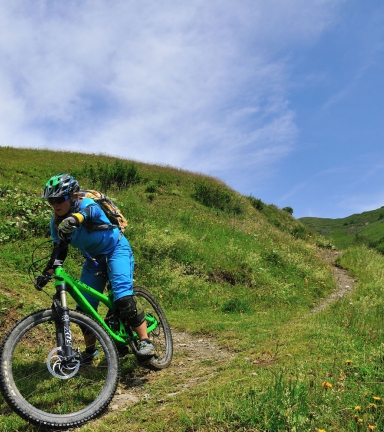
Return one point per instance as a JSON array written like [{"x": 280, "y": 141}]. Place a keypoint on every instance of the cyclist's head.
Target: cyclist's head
[{"x": 60, "y": 187}]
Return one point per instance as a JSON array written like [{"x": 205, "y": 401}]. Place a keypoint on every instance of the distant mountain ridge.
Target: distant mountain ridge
[{"x": 365, "y": 228}]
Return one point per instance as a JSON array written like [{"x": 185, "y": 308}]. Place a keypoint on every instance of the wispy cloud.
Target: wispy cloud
[
  {"x": 360, "y": 203},
  {"x": 199, "y": 85}
]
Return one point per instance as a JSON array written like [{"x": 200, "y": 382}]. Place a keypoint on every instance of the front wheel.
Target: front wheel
[
  {"x": 159, "y": 332},
  {"x": 44, "y": 390}
]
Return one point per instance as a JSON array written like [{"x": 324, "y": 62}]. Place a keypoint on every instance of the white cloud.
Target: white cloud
[{"x": 199, "y": 85}]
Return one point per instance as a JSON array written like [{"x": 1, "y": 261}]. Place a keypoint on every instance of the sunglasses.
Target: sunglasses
[{"x": 58, "y": 200}]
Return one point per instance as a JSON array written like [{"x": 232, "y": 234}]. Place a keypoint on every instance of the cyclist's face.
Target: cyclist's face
[{"x": 63, "y": 208}]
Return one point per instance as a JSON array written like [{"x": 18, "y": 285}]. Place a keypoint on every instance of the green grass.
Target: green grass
[
  {"x": 366, "y": 228},
  {"x": 227, "y": 266}
]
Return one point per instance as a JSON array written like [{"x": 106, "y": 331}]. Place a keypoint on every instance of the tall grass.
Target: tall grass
[{"x": 106, "y": 176}]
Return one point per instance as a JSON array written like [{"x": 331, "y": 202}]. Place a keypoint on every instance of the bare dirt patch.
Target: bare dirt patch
[
  {"x": 196, "y": 361},
  {"x": 344, "y": 282}
]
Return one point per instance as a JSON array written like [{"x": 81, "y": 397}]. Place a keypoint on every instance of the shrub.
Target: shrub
[
  {"x": 288, "y": 210},
  {"x": 275, "y": 221},
  {"x": 380, "y": 248},
  {"x": 217, "y": 197},
  {"x": 151, "y": 187},
  {"x": 25, "y": 215},
  {"x": 256, "y": 203},
  {"x": 300, "y": 232},
  {"x": 106, "y": 176}
]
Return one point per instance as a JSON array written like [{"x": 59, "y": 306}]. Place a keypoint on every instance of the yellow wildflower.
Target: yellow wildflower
[
  {"x": 357, "y": 408},
  {"x": 372, "y": 405},
  {"x": 326, "y": 385},
  {"x": 376, "y": 398},
  {"x": 360, "y": 420},
  {"x": 321, "y": 430},
  {"x": 348, "y": 362},
  {"x": 370, "y": 427}
]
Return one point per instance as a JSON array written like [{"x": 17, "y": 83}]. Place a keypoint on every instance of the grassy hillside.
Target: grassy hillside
[
  {"x": 365, "y": 228},
  {"x": 223, "y": 266}
]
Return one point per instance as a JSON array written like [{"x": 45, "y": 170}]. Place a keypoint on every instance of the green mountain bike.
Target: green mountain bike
[{"x": 43, "y": 374}]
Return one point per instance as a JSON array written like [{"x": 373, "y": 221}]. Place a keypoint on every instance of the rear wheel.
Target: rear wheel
[
  {"x": 45, "y": 388},
  {"x": 159, "y": 332}
]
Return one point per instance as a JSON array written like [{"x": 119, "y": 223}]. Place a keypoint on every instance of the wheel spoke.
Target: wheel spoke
[{"x": 44, "y": 385}]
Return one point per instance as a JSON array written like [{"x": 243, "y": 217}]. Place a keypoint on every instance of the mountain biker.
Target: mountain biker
[{"x": 105, "y": 250}]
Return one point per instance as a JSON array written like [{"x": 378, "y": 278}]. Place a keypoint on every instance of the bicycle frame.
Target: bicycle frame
[{"x": 64, "y": 282}]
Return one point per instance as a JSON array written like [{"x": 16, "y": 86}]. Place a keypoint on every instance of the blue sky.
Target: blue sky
[{"x": 280, "y": 99}]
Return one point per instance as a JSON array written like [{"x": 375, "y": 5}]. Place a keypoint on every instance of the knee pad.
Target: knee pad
[{"x": 130, "y": 311}]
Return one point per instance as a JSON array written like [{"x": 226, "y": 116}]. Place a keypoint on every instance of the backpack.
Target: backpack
[{"x": 109, "y": 208}]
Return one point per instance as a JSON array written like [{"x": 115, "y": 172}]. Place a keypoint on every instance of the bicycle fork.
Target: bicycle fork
[
  {"x": 65, "y": 339},
  {"x": 63, "y": 362}
]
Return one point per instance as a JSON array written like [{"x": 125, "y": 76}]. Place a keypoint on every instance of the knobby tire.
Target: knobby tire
[
  {"x": 38, "y": 396},
  {"x": 161, "y": 337}
]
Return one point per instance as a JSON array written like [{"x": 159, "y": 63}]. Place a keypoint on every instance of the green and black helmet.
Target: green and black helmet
[{"x": 60, "y": 185}]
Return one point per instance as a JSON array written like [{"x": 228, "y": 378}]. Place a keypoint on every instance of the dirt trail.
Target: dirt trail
[
  {"x": 196, "y": 359},
  {"x": 344, "y": 282}
]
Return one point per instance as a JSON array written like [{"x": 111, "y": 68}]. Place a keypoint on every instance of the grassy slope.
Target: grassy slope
[
  {"x": 361, "y": 228},
  {"x": 214, "y": 272}
]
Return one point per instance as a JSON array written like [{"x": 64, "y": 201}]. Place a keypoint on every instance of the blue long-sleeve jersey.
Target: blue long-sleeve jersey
[{"x": 91, "y": 243}]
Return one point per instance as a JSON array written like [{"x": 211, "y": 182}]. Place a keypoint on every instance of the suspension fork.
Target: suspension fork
[{"x": 63, "y": 332}]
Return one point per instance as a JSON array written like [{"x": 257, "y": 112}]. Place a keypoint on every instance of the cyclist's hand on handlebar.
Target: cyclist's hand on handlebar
[
  {"x": 67, "y": 226},
  {"x": 42, "y": 280}
]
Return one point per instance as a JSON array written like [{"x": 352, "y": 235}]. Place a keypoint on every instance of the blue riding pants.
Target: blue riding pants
[{"x": 119, "y": 265}]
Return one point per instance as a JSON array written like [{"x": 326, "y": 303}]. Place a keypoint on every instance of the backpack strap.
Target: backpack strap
[{"x": 88, "y": 225}]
